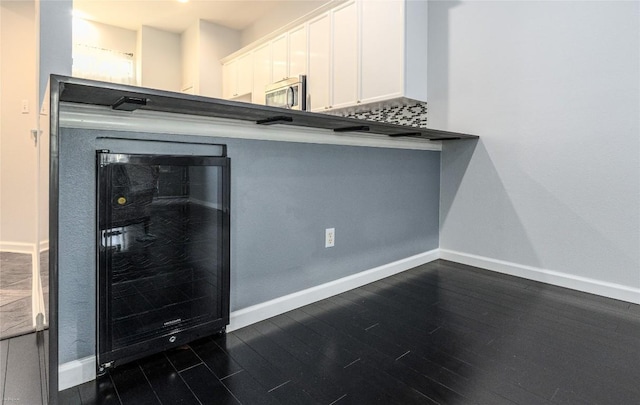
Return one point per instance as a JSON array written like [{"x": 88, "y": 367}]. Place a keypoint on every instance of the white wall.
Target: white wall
[
  {"x": 203, "y": 45},
  {"x": 189, "y": 58},
  {"x": 215, "y": 43},
  {"x": 287, "y": 12},
  {"x": 98, "y": 35},
  {"x": 159, "y": 64},
  {"x": 18, "y": 81},
  {"x": 553, "y": 90},
  {"x": 103, "y": 36},
  {"x": 55, "y": 54}
]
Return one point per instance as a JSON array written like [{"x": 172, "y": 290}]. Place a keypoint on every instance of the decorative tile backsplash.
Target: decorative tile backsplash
[{"x": 414, "y": 115}]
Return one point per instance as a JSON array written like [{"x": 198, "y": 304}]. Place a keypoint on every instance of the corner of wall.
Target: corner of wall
[{"x": 557, "y": 278}]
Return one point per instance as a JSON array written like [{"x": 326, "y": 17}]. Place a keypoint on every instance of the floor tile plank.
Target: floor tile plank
[
  {"x": 70, "y": 396},
  {"x": 317, "y": 387},
  {"x": 264, "y": 373},
  {"x": 4, "y": 350},
  {"x": 218, "y": 361},
  {"x": 99, "y": 392},
  {"x": 206, "y": 386},
  {"x": 247, "y": 390},
  {"x": 183, "y": 358},
  {"x": 23, "y": 371},
  {"x": 15, "y": 294},
  {"x": 132, "y": 385},
  {"x": 166, "y": 382}
]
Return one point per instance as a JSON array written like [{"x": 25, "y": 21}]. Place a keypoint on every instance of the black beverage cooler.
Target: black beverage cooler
[{"x": 162, "y": 252}]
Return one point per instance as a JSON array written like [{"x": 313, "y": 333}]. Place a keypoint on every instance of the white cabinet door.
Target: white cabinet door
[
  {"x": 318, "y": 80},
  {"x": 229, "y": 79},
  {"x": 261, "y": 72},
  {"x": 345, "y": 55},
  {"x": 237, "y": 77},
  {"x": 245, "y": 74},
  {"x": 382, "y": 49},
  {"x": 298, "y": 51},
  {"x": 279, "y": 51}
]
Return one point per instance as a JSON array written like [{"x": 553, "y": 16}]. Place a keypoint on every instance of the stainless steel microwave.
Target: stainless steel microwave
[{"x": 288, "y": 93}]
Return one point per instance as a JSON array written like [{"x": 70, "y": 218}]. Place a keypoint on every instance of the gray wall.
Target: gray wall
[
  {"x": 383, "y": 203},
  {"x": 553, "y": 90}
]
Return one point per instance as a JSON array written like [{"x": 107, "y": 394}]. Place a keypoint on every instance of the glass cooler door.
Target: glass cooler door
[{"x": 163, "y": 252}]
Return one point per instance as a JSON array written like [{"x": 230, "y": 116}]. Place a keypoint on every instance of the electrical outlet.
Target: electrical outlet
[{"x": 329, "y": 237}]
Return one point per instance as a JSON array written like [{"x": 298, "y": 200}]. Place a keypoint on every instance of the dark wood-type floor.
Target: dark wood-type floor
[
  {"x": 440, "y": 333},
  {"x": 24, "y": 368}
]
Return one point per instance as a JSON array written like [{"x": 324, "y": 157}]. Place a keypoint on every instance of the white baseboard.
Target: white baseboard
[
  {"x": 21, "y": 247},
  {"x": 76, "y": 372},
  {"x": 262, "y": 311},
  {"x": 17, "y": 247},
  {"x": 589, "y": 285},
  {"x": 80, "y": 371},
  {"x": 44, "y": 245}
]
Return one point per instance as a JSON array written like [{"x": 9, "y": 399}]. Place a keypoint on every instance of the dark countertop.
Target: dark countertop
[{"x": 124, "y": 97}]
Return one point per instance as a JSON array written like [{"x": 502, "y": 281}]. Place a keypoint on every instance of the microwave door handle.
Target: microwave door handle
[{"x": 290, "y": 97}]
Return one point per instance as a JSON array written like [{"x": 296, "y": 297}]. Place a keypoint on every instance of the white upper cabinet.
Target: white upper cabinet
[
  {"x": 229, "y": 79},
  {"x": 283, "y": 57},
  {"x": 319, "y": 79},
  {"x": 245, "y": 74},
  {"x": 354, "y": 53},
  {"x": 298, "y": 51},
  {"x": 237, "y": 77},
  {"x": 261, "y": 72},
  {"x": 393, "y": 50},
  {"x": 344, "y": 61},
  {"x": 279, "y": 58},
  {"x": 381, "y": 47},
  {"x": 332, "y": 81}
]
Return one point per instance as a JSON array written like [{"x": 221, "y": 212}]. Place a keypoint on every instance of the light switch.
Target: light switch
[{"x": 25, "y": 107}]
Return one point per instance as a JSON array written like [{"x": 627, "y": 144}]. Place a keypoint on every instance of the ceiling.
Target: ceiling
[{"x": 171, "y": 15}]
